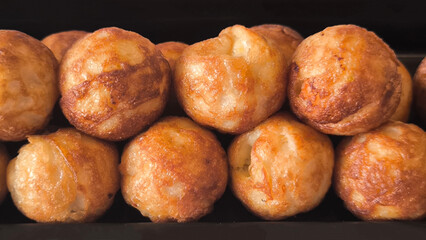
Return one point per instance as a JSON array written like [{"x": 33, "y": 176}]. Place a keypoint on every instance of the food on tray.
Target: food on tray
[
  {"x": 231, "y": 82},
  {"x": 66, "y": 176},
  {"x": 381, "y": 175},
  {"x": 281, "y": 168},
  {"x": 172, "y": 51},
  {"x": 286, "y": 38},
  {"x": 114, "y": 83},
  {"x": 420, "y": 91},
  {"x": 60, "y": 42},
  {"x": 29, "y": 87},
  {"x": 175, "y": 171},
  {"x": 344, "y": 80},
  {"x": 3, "y": 164}
]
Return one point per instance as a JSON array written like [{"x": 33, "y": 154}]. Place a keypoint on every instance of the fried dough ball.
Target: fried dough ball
[
  {"x": 420, "y": 91},
  {"x": 281, "y": 168},
  {"x": 286, "y": 38},
  {"x": 172, "y": 51},
  {"x": 381, "y": 175},
  {"x": 3, "y": 164},
  {"x": 113, "y": 83},
  {"x": 59, "y": 43},
  {"x": 175, "y": 171},
  {"x": 344, "y": 80},
  {"x": 66, "y": 176},
  {"x": 403, "y": 110},
  {"x": 231, "y": 82},
  {"x": 29, "y": 87}
]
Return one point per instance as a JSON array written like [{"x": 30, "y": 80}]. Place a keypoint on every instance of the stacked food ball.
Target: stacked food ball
[{"x": 115, "y": 85}]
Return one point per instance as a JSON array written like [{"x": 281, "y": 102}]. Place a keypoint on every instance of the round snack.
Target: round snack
[
  {"x": 172, "y": 51},
  {"x": 231, "y": 82},
  {"x": 344, "y": 80},
  {"x": 403, "y": 110},
  {"x": 381, "y": 175},
  {"x": 286, "y": 38},
  {"x": 66, "y": 176},
  {"x": 59, "y": 43},
  {"x": 420, "y": 91},
  {"x": 29, "y": 87},
  {"x": 113, "y": 83},
  {"x": 3, "y": 164},
  {"x": 175, "y": 171},
  {"x": 281, "y": 168}
]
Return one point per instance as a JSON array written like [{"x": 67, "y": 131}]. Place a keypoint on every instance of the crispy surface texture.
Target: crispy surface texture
[
  {"x": 4, "y": 158},
  {"x": 381, "y": 175},
  {"x": 66, "y": 176},
  {"x": 420, "y": 91},
  {"x": 403, "y": 110},
  {"x": 344, "y": 80},
  {"x": 60, "y": 42},
  {"x": 231, "y": 82},
  {"x": 114, "y": 83},
  {"x": 28, "y": 85},
  {"x": 172, "y": 51},
  {"x": 175, "y": 171},
  {"x": 284, "y": 37},
  {"x": 281, "y": 168}
]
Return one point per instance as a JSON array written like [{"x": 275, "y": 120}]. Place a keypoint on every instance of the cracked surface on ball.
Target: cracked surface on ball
[
  {"x": 66, "y": 176},
  {"x": 114, "y": 83},
  {"x": 175, "y": 171},
  {"x": 281, "y": 168}
]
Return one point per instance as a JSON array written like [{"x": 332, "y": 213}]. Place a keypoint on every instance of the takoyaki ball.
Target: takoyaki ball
[
  {"x": 3, "y": 165},
  {"x": 403, "y": 110},
  {"x": 59, "y": 43},
  {"x": 114, "y": 83},
  {"x": 286, "y": 38},
  {"x": 172, "y": 51},
  {"x": 381, "y": 175},
  {"x": 281, "y": 168},
  {"x": 420, "y": 91},
  {"x": 344, "y": 80},
  {"x": 231, "y": 82},
  {"x": 66, "y": 176},
  {"x": 29, "y": 86},
  {"x": 175, "y": 171}
]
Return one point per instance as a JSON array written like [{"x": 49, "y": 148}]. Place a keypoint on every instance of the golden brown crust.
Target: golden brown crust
[
  {"x": 113, "y": 83},
  {"x": 281, "y": 168},
  {"x": 403, "y": 110},
  {"x": 4, "y": 158},
  {"x": 175, "y": 171},
  {"x": 60, "y": 42},
  {"x": 344, "y": 81},
  {"x": 381, "y": 175},
  {"x": 172, "y": 51},
  {"x": 420, "y": 91},
  {"x": 66, "y": 176},
  {"x": 231, "y": 82},
  {"x": 284, "y": 37},
  {"x": 28, "y": 84}
]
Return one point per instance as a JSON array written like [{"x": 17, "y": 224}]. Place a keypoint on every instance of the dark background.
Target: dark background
[{"x": 402, "y": 24}]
